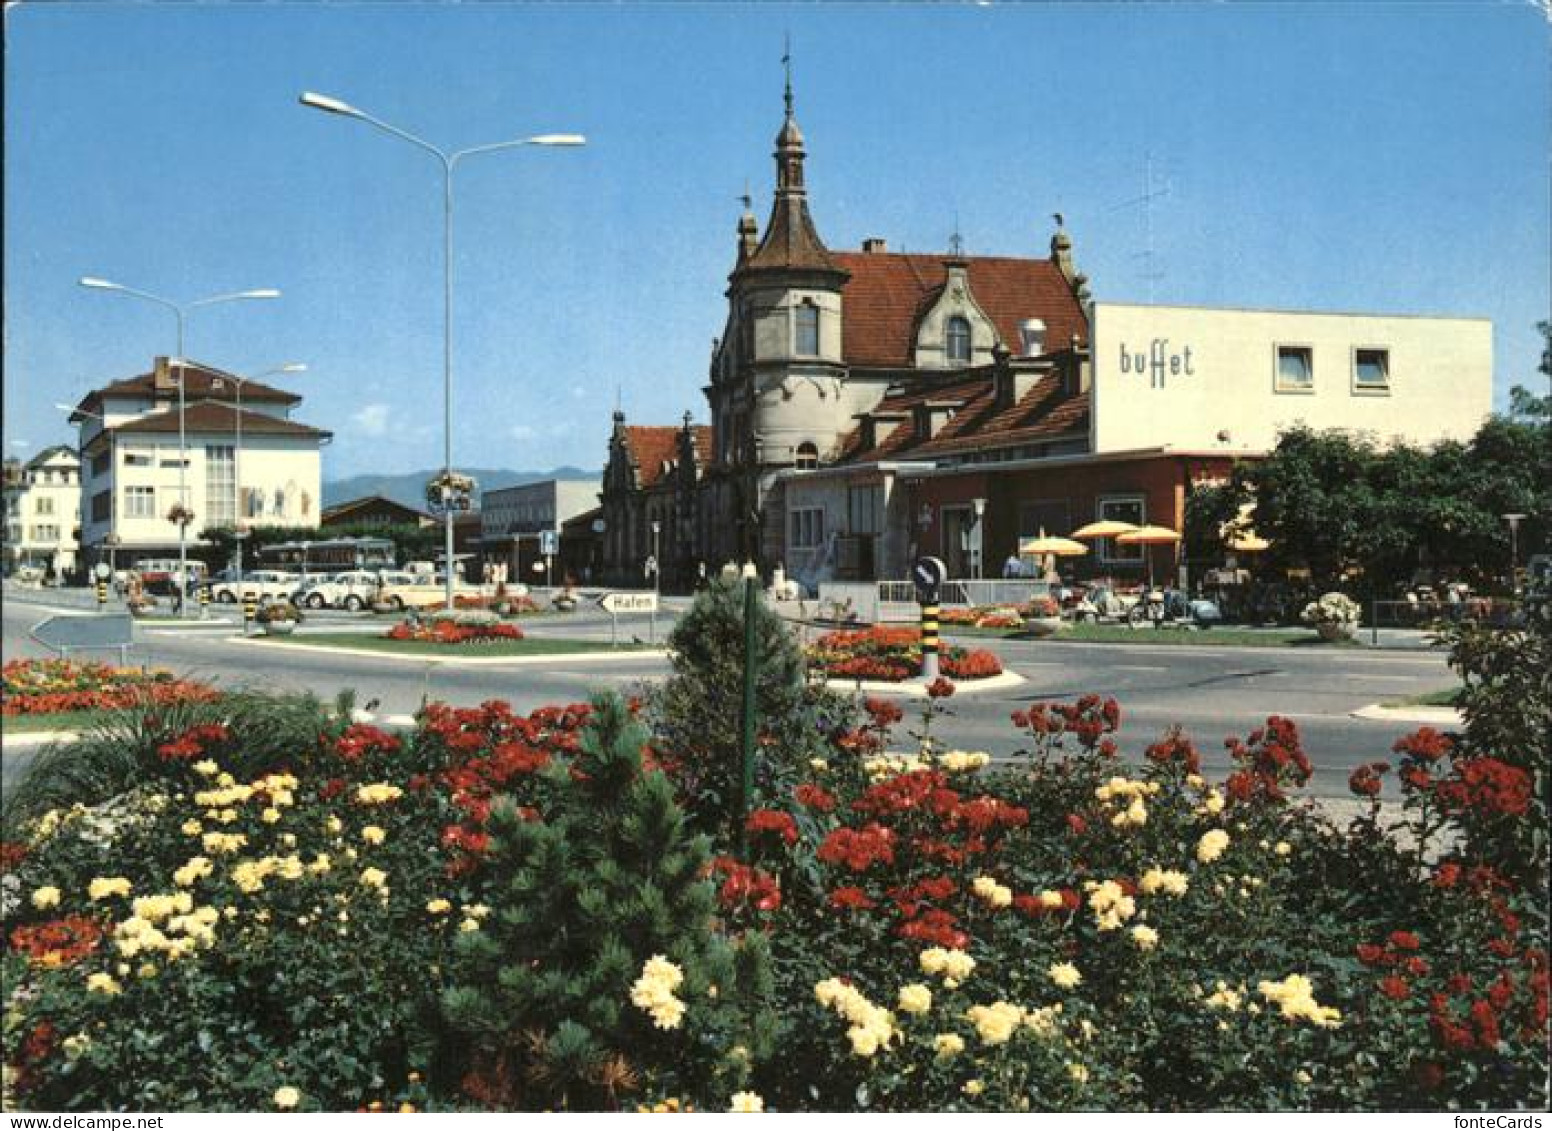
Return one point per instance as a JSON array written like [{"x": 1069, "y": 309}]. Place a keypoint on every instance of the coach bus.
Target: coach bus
[{"x": 333, "y": 555}]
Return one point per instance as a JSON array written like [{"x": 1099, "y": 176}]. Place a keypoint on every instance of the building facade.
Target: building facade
[
  {"x": 374, "y": 510},
  {"x": 514, "y": 519},
  {"x": 240, "y": 467},
  {"x": 872, "y": 406},
  {"x": 43, "y": 512}
]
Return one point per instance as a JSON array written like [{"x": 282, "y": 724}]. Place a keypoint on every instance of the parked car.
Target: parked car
[
  {"x": 157, "y": 574},
  {"x": 420, "y": 590},
  {"x": 353, "y": 590},
  {"x": 262, "y": 584}
]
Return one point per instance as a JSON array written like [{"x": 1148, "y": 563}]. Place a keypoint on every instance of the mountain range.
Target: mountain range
[{"x": 410, "y": 487}]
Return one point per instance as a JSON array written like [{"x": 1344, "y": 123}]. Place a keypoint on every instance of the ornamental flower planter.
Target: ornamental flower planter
[
  {"x": 1336, "y": 631},
  {"x": 279, "y": 628},
  {"x": 1042, "y": 626},
  {"x": 1335, "y": 617}
]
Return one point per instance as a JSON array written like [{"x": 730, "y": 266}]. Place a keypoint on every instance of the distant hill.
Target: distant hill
[{"x": 410, "y": 488}]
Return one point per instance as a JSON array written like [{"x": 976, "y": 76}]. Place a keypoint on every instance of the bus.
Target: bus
[{"x": 333, "y": 555}]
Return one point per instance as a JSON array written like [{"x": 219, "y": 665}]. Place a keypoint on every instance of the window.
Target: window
[
  {"x": 45, "y": 533},
  {"x": 807, "y": 456},
  {"x": 174, "y": 462},
  {"x": 101, "y": 462},
  {"x": 220, "y": 485},
  {"x": 1295, "y": 369},
  {"x": 807, "y": 527},
  {"x": 139, "y": 502},
  {"x": 44, "y": 505},
  {"x": 957, "y": 335},
  {"x": 865, "y": 510},
  {"x": 102, "y": 506},
  {"x": 1121, "y": 508},
  {"x": 807, "y": 330},
  {"x": 134, "y": 458},
  {"x": 1371, "y": 370}
]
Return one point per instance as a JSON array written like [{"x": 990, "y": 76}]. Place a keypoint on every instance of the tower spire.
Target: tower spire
[{"x": 786, "y": 62}]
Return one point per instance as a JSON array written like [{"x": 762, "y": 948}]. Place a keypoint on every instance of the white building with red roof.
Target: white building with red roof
[{"x": 252, "y": 465}]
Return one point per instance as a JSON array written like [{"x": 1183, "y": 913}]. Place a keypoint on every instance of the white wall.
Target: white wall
[{"x": 1206, "y": 371}]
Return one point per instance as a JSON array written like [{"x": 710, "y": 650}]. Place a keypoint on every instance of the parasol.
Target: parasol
[
  {"x": 1149, "y": 536},
  {"x": 1105, "y": 528}
]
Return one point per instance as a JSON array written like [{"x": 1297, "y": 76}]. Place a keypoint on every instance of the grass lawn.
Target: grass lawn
[
  {"x": 531, "y": 646},
  {"x": 1447, "y": 697},
  {"x": 1122, "y": 634},
  {"x": 64, "y": 720}
]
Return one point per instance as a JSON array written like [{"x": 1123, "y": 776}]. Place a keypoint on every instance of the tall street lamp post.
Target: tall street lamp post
[
  {"x": 1514, "y": 521},
  {"x": 657, "y": 577},
  {"x": 181, "y": 311},
  {"x": 449, "y": 163}
]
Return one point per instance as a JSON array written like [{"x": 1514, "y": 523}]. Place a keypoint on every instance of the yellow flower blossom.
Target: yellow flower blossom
[
  {"x": 1043, "y": 1021},
  {"x": 205, "y": 768},
  {"x": 990, "y": 891},
  {"x": 191, "y": 827},
  {"x": 1158, "y": 880},
  {"x": 1050, "y": 900},
  {"x": 334, "y": 825},
  {"x": 946, "y": 1045},
  {"x": 378, "y": 793},
  {"x": 914, "y": 998},
  {"x": 872, "y": 1026},
  {"x": 1110, "y": 904},
  {"x": 1225, "y": 998},
  {"x": 438, "y": 907},
  {"x": 1078, "y": 1073},
  {"x": 374, "y": 878},
  {"x": 155, "y": 908},
  {"x": 469, "y": 925},
  {"x": 1146, "y": 938},
  {"x": 320, "y": 864},
  {"x": 1064, "y": 974},
  {"x": 372, "y": 834},
  {"x": 997, "y": 1022},
  {"x": 45, "y": 897},
  {"x": 1211, "y": 846},
  {"x": 103, "y": 888},
  {"x": 1295, "y": 997},
  {"x": 102, "y": 984},
  {"x": 953, "y": 965},
  {"x": 653, "y": 991},
  {"x": 1282, "y": 848},
  {"x": 286, "y": 1097},
  {"x": 964, "y": 761},
  {"x": 973, "y": 1087},
  {"x": 223, "y": 844},
  {"x": 746, "y": 1102},
  {"x": 270, "y": 816}
]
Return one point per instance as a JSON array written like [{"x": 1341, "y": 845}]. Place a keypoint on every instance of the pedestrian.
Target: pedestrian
[{"x": 1013, "y": 567}]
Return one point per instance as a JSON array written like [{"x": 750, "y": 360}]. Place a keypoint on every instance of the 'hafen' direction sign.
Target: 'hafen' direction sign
[
  {"x": 628, "y": 602},
  {"x": 102, "y": 630}
]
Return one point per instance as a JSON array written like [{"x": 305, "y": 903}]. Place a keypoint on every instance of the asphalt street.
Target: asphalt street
[{"x": 1211, "y": 691}]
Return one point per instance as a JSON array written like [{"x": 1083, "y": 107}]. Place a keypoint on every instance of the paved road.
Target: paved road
[{"x": 1212, "y": 691}]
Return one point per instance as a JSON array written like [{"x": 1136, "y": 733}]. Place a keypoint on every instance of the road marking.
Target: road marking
[{"x": 1135, "y": 668}]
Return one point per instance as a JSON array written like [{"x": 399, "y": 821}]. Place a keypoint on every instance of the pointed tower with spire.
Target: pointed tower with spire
[{"x": 778, "y": 374}]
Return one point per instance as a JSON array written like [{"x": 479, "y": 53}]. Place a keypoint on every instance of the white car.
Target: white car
[
  {"x": 353, "y": 590},
  {"x": 421, "y": 590},
  {"x": 261, "y": 584}
]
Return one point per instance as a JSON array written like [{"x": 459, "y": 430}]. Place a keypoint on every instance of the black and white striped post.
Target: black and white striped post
[{"x": 928, "y": 575}]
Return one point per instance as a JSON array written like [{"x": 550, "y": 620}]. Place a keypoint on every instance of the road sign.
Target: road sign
[
  {"x": 651, "y": 565},
  {"x": 103, "y": 571},
  {"x": 928, "y": 574},
  {"x": 628, "y": 603},
  {"x": 547, "y": 542},
  {"x": 78, "y": 633}
]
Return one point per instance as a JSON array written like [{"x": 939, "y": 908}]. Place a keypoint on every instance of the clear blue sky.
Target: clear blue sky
[{"x": 1376, "y": 157}]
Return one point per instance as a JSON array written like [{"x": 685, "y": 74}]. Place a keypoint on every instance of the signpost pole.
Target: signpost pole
[
  {"x": 929, "y": 641},
  {"x": 746, "y": 793},
  {"x": 928, "y": 575}
]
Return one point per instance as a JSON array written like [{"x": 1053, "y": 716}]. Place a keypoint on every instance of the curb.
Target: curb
[
  {"x": 455, "y": 661},
  {"x": 1438, "y": 716},
  {"x": 917, "y": 690},
  {"x": 29, "y": 738}
]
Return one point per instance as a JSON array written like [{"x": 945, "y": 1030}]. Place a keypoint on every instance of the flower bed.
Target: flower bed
[
  {"x": 893, "y": 655},
  {"x": 981, "y": 616},
  {"x": 48, "y": 687},
  {"x": 503, "y": 606},
  {"x": 464, "y": 627}
]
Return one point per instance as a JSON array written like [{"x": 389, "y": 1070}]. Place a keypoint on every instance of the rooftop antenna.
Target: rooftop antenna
[{"x": 1151, "y": 190}]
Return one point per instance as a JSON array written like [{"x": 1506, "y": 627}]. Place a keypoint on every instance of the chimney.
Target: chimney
[
  {"x": 877, "y": 427},
  {"x": 875, "y": 245},
  {"x": 162, "y": 380},
  {"x": 931, "y": 416}
]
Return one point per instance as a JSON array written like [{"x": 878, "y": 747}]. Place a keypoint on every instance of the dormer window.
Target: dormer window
[
  {"x": 957, "y": 336},
  {"x": 807, "y": 456},
  {"x": 806, "y": 330}
]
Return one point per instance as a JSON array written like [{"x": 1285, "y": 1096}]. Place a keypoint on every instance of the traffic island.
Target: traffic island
[{"x": 499, "y": 651}]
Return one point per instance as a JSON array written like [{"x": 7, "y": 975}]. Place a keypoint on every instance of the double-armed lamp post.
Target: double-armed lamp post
[
  {"x": 449, "y": 162},
  {"x": 181, "y": 311}
]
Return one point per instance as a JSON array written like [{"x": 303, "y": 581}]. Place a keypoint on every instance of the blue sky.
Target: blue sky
[{"x": 1375, "y": 157}]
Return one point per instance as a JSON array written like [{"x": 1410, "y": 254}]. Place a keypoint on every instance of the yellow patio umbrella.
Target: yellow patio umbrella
[
  {"x": 1050, "y": 544},
  {"x": 1105, "y": 528},
  {"x": 1248, "y": 542},
  {"x": 1149, "y": 536}
]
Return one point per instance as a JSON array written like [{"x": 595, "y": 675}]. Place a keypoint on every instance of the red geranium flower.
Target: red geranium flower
[
  {"x": 813, "y": 797},
  {"x": 773, "y": 821}
]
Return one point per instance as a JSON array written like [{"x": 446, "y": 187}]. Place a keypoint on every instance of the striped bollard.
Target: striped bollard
[
  {"x": 929, "y": 642},
  {"x": 102, "y": 594},
  {"x": 250, "y": 603}
]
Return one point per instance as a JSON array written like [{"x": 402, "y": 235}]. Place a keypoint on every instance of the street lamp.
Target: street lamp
[
  {"x": 979, "y": 506},
  {"x": 657, "y": 578},
  {"x": 1514, "y": 521},
  {"x": 180, "y": 310},
  {"x": 449, "y": 163}
]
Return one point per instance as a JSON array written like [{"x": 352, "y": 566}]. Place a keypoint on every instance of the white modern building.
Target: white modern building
[
  {"x": 43, "y": 512},
  {"x": 249, "y": 466},
  {"x": 1229, "y": 380}
]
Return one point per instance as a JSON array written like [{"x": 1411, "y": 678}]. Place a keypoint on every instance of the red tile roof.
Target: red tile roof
[
  {"x": 1045, "y": 412},
  {"x": 202, "y": 381},
  {"x": 649, "y": 446},
  {"x": 889, "y": 292},
  {"x": 209, "y": 416}
]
